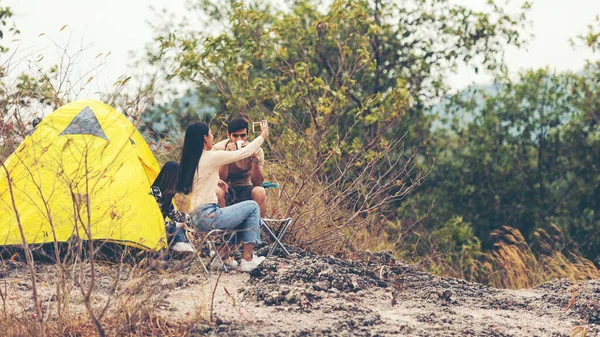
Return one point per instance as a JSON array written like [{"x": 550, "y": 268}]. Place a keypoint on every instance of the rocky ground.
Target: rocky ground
[{"x": 306, "y": 295}]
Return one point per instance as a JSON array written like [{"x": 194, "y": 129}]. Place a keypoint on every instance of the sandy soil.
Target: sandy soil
[{"x": 307, "y": 294}]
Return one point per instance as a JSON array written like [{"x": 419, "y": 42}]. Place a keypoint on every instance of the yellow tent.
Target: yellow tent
[{"x": 85, "y": 172}]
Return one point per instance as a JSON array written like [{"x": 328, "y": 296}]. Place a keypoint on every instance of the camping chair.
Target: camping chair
[
  {"x": 210, "y": 240},
  {"x": 188, "y": 234},
  {"x": 211, "y": 236},
  {"x": 284, "y": 225}
]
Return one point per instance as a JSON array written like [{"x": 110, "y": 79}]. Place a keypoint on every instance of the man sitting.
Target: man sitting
[{"x": 243, "y": 178}]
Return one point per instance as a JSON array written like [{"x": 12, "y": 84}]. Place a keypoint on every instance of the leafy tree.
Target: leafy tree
[
  {"x": 527, "y": 158},
  {"x": 6, "y": 25},
  {"x": 592, "y": 37},
  {"x": 351, "y": 59},
  {"x": 342, "y": 85}
]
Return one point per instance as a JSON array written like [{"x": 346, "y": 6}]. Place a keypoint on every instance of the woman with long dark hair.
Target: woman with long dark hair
[
  {"x": 199, "y": 177},
  {"x": 163, "y": 190}
]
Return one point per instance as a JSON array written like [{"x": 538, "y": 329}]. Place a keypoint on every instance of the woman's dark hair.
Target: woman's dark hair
[
  {"x": 193, "y": 143},
  {"x": 166, "y": 182}
]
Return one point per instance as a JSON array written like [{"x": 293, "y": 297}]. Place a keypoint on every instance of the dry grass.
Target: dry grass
[
  {"x": 126, "y": 301},
  {"x": 333, "y": 198},
  {"x": 147, "y": 324},
  {"x": 513, "y": 263}
]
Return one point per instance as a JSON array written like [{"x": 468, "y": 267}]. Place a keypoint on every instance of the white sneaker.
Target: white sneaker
[
  {"x": 249, "y": 266},
  {"x": 182, "y": 247},
  {"x": 231, "y": 263}
]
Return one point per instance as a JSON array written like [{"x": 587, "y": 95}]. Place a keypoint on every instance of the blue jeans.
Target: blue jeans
[
  {"x": 175, "y": 234},
  {"x": 243, "y": 218}
]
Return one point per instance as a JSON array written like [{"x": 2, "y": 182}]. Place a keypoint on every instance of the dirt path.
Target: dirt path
[
  {"x": 311, "y": 295},
  {"x": 325, "y": 296},
  {"x": 318, "y": 295}
]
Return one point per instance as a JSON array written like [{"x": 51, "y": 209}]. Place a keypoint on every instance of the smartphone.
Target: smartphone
[{"x": 256, "y": 127}]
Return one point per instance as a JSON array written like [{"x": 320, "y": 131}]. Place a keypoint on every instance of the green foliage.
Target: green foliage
[
  {"x": 342, "y": 85},
  {"x": 166, "y": 120},
  {"x": 459, "y": 247},
  {"x": 338, "y": 60},
  {"x": 6, "y": 25},
  {"x": 592, "y": 37},
  {"x": 527, "y": 157}
]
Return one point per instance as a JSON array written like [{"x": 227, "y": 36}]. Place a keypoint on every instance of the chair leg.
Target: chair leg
[
  {"x": 217, "y": 255},
  {"x": 196, "y": 252},
  {"x": 212, "y": 247},
  {"x": 277, "y": 238},
  {"x": 280, "y": 237},
  {"x": 206, "y": 272}
]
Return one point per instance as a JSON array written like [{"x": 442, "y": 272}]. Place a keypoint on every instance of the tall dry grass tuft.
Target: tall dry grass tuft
[{"x": 513, "y": 264}]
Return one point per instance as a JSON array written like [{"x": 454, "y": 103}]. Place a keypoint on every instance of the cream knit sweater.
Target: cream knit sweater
[{"x": 206, "y": 178}]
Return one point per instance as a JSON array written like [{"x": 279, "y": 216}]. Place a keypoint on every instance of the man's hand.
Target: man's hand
[
  {"x": 264, "y": 126},
  {"x": 223, "y": 185},
  {"x": 231, "y": 147}
]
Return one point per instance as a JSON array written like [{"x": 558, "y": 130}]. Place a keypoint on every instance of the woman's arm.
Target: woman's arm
[
  {"x": 219, "y": 158},
  {"x": 171, "y": 213}
]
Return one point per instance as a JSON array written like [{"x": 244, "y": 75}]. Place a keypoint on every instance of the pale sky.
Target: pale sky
[
  {"x": 554, "y": 22},
  {"x": 120, "y": 26}
]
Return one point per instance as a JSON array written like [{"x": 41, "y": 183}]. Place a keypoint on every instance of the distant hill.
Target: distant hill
[{"x": 441, "y": 109}]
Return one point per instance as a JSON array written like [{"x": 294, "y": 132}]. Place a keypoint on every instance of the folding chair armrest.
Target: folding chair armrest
[{"x": 268, "y": 184}]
